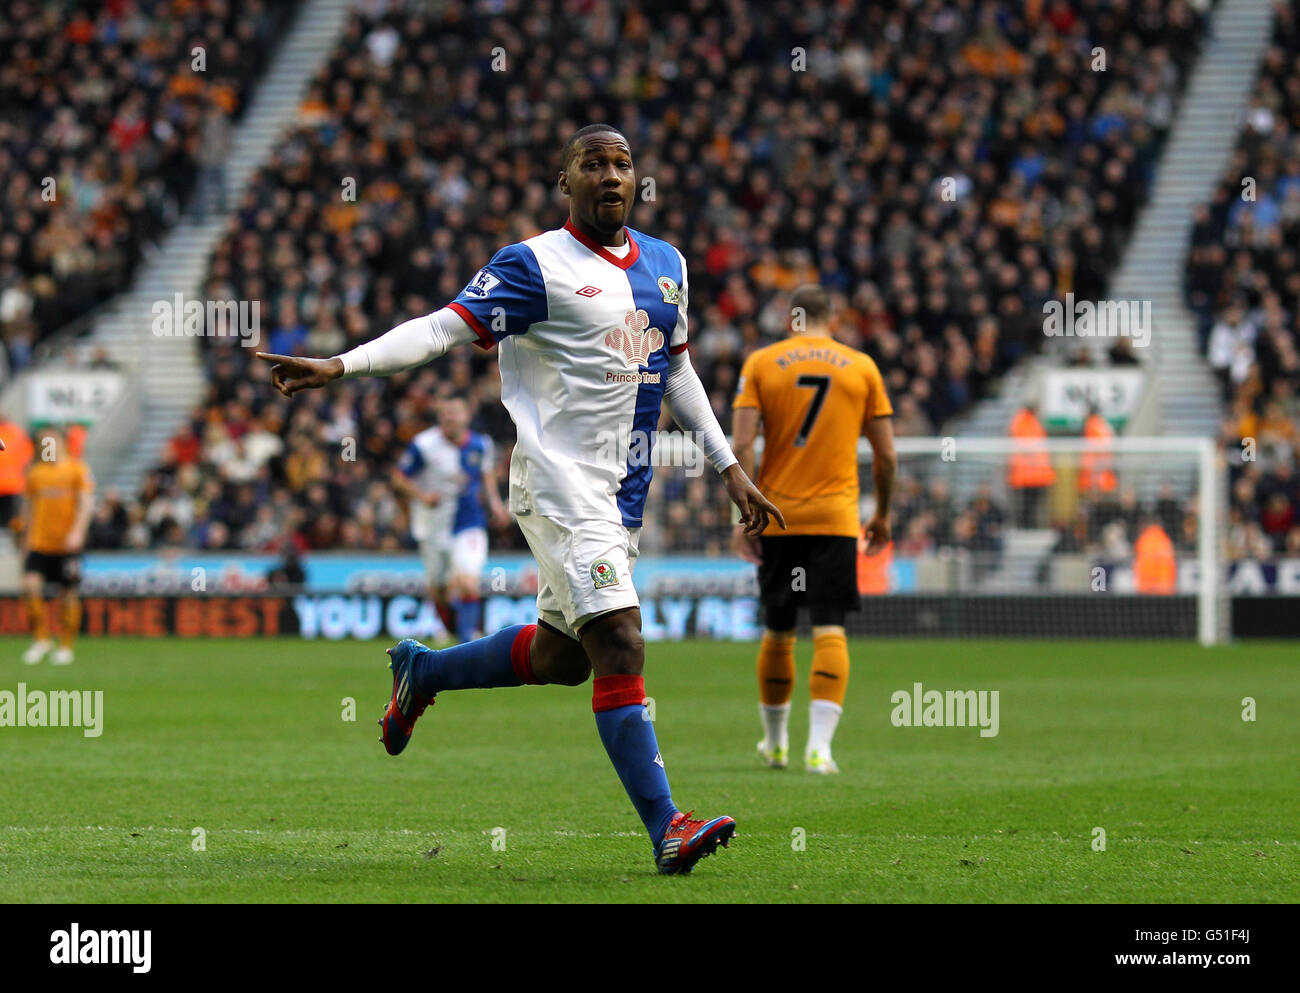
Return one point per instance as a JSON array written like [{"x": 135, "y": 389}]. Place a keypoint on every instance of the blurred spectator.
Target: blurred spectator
[
  {"x": 1121, "y": 353},
  {"x": 14, "y": 460},
  {"x": 1029, "y": 469},
  {"x": 1097, "y": 464},
  {"x": 109, "y": 524},
  {"x": 289, "y": 571},
  {"x": 1155, "y": 568}
]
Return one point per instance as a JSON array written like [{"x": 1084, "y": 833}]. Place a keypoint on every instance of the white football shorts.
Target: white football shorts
[
  {"x": 584, "y": 568},
  {"x": 469, "y": 549},
  {"x": 461, "y": 554},
  {"x": 435, "y": 553}
]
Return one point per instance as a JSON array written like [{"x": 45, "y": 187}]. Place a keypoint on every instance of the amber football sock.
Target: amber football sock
[
  {"x": 70, "y": 622},
  {"x": 830, "y": 667},
  {"x": 829, "y": 681},
  {"x": 776, "y": 669},
  {"x": 36, "y": 618},
  {"x": 775, "y": 686}
]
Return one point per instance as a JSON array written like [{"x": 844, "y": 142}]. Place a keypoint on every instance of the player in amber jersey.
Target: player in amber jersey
[
  {"x": 814, "y": 398},
  {"x": 56, "y": 512}
]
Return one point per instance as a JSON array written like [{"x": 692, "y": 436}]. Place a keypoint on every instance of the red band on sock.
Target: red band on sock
[
  {"x": 612, "y": 692},
  {"x": 521, "y": 655}
]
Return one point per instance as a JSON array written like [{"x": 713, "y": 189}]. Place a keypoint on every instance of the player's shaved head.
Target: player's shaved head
[
  {"x": 599, "y": 179},
  {"x": 578, "y": 140},
  {"x": 810, "y": 304}
]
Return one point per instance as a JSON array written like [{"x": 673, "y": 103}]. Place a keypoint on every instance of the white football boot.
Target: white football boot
[
  {"x": 820, "y": 763},
  {"x": 37, "y": 651},
  {"x": 773, "y": 758}
]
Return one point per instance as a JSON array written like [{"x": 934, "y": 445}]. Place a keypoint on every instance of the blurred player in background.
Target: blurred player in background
[
  {"x": 58, "y": 502},
  {"x": 813, "y": 397},
  {"x": 590, "y": 320},
  {"x": 14, "y": 460},
  {"x": 449, "y": 475}
]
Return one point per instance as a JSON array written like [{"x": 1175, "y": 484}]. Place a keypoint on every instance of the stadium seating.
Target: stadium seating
[
  {"x": 111, "y": 108},
  {"x": 1243, "y": 281},
  {"x": 943, "y": 169}
]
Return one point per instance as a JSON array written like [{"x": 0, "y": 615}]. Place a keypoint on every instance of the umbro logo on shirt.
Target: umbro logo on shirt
[{"x": 588, "y": 291}]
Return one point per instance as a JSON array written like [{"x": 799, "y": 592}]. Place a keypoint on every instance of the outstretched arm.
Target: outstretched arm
[
  {"x": 404, "y": 347},
  {"x": 690, "y": 407}
]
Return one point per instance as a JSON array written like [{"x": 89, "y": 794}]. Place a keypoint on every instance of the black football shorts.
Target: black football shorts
[
  {"x": 55, "y": 570},
  {"x": 809, "y": 570}
]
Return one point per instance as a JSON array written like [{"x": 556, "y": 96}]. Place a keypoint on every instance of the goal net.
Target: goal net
[{"x": 994, "y": 539}]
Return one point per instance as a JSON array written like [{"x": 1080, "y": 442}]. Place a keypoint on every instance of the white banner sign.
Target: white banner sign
[
  {"x": 81, "y": 396},
  {"x": 1067, "y": 394}
]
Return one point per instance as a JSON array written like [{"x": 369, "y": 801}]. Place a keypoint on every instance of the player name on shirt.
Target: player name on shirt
[{"x": 813, "y": 355}]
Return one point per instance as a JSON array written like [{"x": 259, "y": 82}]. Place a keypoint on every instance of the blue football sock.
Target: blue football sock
[
  {"x": 469, "y": 617},
  {"x": 629, "y": 738},
  {"x": 474, "y": 665}
]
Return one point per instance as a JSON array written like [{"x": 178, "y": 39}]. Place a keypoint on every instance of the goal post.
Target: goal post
[{"x": 1120, "y": 538}]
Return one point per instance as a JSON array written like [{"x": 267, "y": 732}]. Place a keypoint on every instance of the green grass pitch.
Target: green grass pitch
[{"x": 247, "y": 740}]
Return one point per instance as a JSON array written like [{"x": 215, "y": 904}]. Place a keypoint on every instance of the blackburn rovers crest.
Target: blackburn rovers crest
[{"x": 603, "y": 574}]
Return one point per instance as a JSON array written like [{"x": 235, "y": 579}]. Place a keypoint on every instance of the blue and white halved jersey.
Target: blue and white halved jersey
[
  {"x": 584, "y": 341},
  {"x": 432, "y": 463},
  {"x": 435, "y": 463}
]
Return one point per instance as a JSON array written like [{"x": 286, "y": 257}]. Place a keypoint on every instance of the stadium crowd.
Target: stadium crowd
[
  {"x": 1243, "y": 282},
  {"x": 944, "y": 168},
  {"x": 108, "y": 111}
]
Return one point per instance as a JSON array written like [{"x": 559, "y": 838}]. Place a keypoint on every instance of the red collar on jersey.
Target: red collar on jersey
[{"x": 625, "y": 263}]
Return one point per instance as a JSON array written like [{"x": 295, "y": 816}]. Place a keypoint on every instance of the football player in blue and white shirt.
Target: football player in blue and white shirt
[
  {"x": 448, "y": 473},
  {"x": 589, "y": 322}
]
